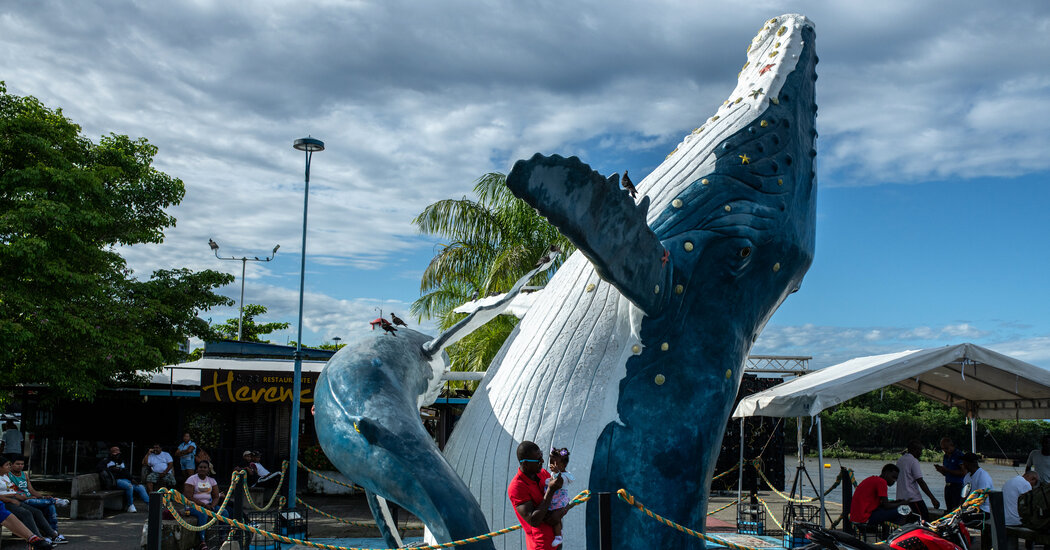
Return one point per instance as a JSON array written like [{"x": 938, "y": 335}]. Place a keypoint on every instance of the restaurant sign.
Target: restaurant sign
[{"x": 253, "y": 386}]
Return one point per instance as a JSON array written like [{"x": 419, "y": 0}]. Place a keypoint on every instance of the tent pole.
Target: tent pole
[
  {"x": 798, "y": 440},
  {"x": 820, "y": 466},
  {"x": 973, "y": 434},
  {"x": 740, "y": 474}
]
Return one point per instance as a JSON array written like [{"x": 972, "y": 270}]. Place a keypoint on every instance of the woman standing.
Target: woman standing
[{"x": 187, "y": 452}]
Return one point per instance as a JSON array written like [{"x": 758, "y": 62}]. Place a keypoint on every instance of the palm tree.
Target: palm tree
[{"x": 492, "y": 242}]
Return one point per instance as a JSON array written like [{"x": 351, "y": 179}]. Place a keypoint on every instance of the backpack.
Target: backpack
[
  {"x": 107, "y": 480},
  {"x": 1034, "y": 508}
]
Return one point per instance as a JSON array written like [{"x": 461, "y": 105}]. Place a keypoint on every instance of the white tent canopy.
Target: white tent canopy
[{"x": 977, "y": 380}]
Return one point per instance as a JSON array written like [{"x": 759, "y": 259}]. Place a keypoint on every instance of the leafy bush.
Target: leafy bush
[
  {"x": 315, "y": 459},
  {"x": 883, "y": 421}
]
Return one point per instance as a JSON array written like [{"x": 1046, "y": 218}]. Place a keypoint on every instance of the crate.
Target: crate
[
  {"x": 750, "y": 518},
  {"x": 290, "y": 523},
  {"x": 794, "y": 516}
]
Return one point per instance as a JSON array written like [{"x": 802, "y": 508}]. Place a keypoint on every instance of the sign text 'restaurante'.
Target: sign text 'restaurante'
[{"x": 240, "y": 386}]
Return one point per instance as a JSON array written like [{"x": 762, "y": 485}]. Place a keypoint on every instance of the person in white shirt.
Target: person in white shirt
[
  {"x": 1039, "y": 460},
  {"x": 266, "y": 477},
  {"x": 11, "y": 441},
  {"x": 161, "y": 467},
  {"x": 910, "y": 481},
  {"x": 1012, "y": 491},
  {"x": 977, "y": 478}
]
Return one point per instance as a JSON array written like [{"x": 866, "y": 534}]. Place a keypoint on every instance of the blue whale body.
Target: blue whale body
[{"x": 367, "y": 420}]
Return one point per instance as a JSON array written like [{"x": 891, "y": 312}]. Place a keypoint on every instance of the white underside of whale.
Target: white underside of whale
[{"x": 556, "y": 379}]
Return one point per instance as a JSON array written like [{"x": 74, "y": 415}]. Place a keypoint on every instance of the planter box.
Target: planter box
[{"x": 318, "y": 485}]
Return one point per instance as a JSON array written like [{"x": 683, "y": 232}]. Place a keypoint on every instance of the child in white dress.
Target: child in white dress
[{"x": 559, "y": 462}]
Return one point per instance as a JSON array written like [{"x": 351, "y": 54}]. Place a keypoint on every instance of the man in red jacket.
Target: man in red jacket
[{"x": 531, "y": 496}]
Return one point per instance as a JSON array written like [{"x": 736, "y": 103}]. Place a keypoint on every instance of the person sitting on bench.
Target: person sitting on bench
[{"x": 871, "y": 504}]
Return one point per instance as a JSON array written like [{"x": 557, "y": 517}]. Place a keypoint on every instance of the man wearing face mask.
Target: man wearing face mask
[{"x": 115, "y": 465}]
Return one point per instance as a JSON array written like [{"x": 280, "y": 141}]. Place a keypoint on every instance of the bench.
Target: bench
[
  {"x": 88, "y": 500},
  {"x": 1014, "y": 532}
]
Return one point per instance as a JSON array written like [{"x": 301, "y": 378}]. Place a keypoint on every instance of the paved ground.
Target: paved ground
[{"x": 124, "y": 530}]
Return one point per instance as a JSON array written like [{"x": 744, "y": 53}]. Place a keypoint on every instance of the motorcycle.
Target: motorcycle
[{"x": 948, "y": 534}]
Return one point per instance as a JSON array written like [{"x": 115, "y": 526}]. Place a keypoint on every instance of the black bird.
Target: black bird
[
  {"x": 397, "y": 320},
  {"x": 388, "y": 327},
  {"x": 629, "y": 185},
  {"x": 542, "y": 261}
]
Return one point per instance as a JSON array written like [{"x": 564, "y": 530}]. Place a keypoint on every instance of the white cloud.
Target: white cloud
[{"x": 416, "y": 100}]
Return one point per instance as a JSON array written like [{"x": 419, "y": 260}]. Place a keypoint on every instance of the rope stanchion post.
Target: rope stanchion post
[
  {"x": 238, "y": 503},
  {"x": 154, "y": 521},
  {"x": 605, "y": 521},
  {"x": 847, "y": 499}
]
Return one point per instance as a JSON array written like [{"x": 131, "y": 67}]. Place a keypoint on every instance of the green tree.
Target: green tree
[
  {"x": 492, "y": 241},
  {"x": 251, "y": 329},
  {"x": 72, "y": 315}
]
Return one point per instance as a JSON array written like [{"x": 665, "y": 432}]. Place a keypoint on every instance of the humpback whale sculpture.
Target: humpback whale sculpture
[{"x": 632, "y": 354}]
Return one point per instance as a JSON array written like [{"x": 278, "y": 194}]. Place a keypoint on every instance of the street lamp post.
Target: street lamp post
[
  {"x": 244, "y": 262},
  {"x": 309, "y": 146}
]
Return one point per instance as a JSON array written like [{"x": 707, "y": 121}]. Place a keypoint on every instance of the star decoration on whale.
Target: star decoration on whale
[{"x": 744, "y": 159}]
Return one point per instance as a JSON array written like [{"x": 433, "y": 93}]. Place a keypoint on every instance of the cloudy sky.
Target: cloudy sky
[{"x": 933, "y": 152}]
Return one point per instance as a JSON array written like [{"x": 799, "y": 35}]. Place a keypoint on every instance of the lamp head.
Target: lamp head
[
  {"x": 275, "y": 249},
  {"x": 309, "y": 144}
]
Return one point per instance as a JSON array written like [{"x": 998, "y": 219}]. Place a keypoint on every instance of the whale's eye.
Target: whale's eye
[{"x": 745, "y": 252}]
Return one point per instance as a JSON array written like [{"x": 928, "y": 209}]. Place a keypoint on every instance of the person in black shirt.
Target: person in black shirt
[{"x": 114, "y": 469}]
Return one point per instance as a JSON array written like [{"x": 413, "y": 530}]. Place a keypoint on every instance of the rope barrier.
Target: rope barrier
[
  {"x": 326, "y": 478},
  {"x": 772, "y": 516},
  {"x": 273, "y": 497},
  {"x": 976, "y": 498},
  {"x": 168, "y": 494},
  {"x": 725, "y": 473},
  {"x": 713, "y": 512},
  {"x": 756, "y": 463},
  {"x": 629, "y": 499},
  {"x": 340, "y": 520}
]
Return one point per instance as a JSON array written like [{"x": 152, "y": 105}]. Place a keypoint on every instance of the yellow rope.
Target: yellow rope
[
  {"x": 789, "y": 498},
  {"x": 273, "y": 497},
  {"x": 713, "y": 512},
  {"x": 629, "y": 499},
  {"x": 170, "y": 494},
  {"x": 772, "y": 516},
  {"x": 340, "y": 520},
  {"x": 584, "y": 496},
  {"x": 324, "y": 477},
  {"x": 976, "y": 498},
  {"x": 725, "y": 473}
]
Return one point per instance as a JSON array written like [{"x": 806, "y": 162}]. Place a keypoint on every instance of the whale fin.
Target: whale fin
[
  {"x": 384, "y": 521},
  {"x": 484, "y": 313},
  {"x": 600, "y": 219}
]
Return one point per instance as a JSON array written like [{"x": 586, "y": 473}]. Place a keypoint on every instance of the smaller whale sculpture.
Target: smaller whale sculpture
[{"x": 366, "y": 412}]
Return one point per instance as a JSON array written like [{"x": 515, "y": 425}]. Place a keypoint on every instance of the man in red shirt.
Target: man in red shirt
[
  {"x": 871, "y": 503},
  {"x": 531, "y": 497}
]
